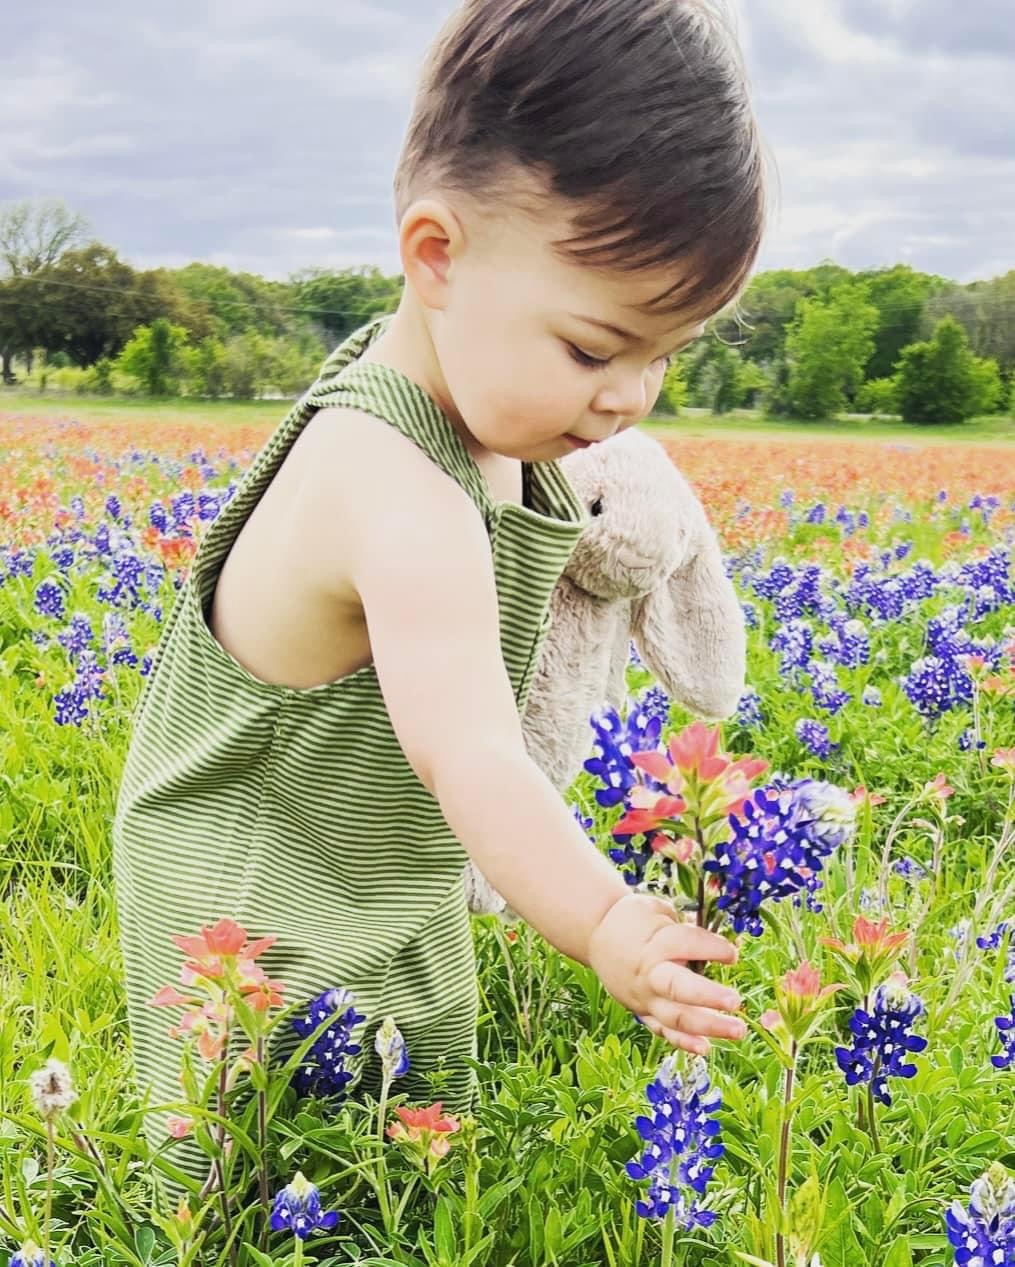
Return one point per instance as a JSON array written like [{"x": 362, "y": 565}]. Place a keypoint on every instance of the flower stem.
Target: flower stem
[
  {"x": 784, "y": 1154},
  {"x": 227, "y": 1223},
  {"x": 262, "y": 1133},
  {"x": 668, "y": 1230},
  {"x": 297, "y": 1252},
  {"x": 50, "y": 1164},
  {"x": 872, "y": 1124}
]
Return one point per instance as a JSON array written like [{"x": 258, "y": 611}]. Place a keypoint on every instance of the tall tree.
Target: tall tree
[
  {"x": 33, "y": 236},
  {"x": 828, "y": 346}
]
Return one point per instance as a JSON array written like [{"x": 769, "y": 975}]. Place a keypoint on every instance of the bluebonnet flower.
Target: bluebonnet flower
[
  {"x": 983, "y": 1234},
  {"x": 655, "y": 703},
  {"x": 796, "y": 642},
  {"x": 157, "y": 517},
  {"x": 749, "y": 712},
  {"x": 616, "y": 739},
  {"x": 30, "y": 1255},
  {"x": 297, "y": 1209},
  {"x": 682, "y": 1141},
  {"x": 814, "y": 737},
  {"x": 1006, "y": 1032},
  {"x": 751, "y": 620},
  {"x": 968, "y": 740},
  {"x": 825, "y": 689},
  {"x": 633, "y": 658},
  {"x": 113, "y": 506},
  {"x": 881, "y": 1038},
  {"x": 390, "y": 1046},
  {"x": 786, "y": 498},
  {"x": 816, "y": 514},
  {"x": 960, "y": 935},
  {"x": 780, "y": 839},
  {"x": 77, "y": 635},
  {"x": 324, "y": 1071},
  {"x": 909, "y": 869},
  {"x": 871, "y": 697},
  {"x": 995, "y": 940},
  {"x": 49, "y": 600}
]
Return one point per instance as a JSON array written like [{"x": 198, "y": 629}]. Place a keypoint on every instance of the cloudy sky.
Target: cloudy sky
[{"x": 262, "y": 135}]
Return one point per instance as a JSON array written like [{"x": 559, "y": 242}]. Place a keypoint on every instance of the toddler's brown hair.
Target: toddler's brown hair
[{"x": 636, "y": 111}]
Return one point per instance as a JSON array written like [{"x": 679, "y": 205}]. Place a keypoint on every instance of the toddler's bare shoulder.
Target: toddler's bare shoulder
[{"x": 371, "y": 490}]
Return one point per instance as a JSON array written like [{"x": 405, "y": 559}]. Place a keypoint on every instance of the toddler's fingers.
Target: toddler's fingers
[
  {"x": 680, "y": 985},
  {"x": 688, "y": 942},
  {"x": 698, "y": 1021}
]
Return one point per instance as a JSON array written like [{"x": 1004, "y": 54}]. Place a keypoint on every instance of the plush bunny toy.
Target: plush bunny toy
[{"x": 648, "y": 567}]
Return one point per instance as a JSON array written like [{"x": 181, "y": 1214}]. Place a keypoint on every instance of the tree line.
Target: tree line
[{"x": 800, "y": 343}]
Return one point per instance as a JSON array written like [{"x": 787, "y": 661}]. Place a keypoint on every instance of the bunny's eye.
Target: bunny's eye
[{"x": 597, "y": 507}]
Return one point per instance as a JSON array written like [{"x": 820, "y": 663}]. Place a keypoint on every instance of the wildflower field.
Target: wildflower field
[{"x": 852, "y": 829}]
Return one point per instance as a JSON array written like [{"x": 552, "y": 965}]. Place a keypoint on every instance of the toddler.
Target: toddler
[{"x": 332, "y": 723}]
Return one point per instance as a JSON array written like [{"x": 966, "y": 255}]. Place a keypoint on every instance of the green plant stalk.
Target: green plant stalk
[
  {"x": 298, "y": 1252},
  {"x": 784, "y": 1153},
  {"x": 262, "y": 1139},
  {"x": 668, "y": 1230},
  {"x": 50, "y": 1165},
  {"x": 220, "y": 1166},
  {"x": 382, "y": 1188},
  {"x": 872, "y": 1124},
  {"x": 470, "y": 1214}
]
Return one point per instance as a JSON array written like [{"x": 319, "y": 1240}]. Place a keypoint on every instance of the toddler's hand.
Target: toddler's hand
[{"x": 639, "y": 951}]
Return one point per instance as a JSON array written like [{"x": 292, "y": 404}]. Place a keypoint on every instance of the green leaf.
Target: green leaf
[
  {"x": 899, "y": 1255},
  {"x": 144, "y": 1241},
  {"x": 256, "y": 1257},
  {"x": 444, "y": 1230}
]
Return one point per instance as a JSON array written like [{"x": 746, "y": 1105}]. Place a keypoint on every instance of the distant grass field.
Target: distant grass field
[{"x": 740, "y": 423}]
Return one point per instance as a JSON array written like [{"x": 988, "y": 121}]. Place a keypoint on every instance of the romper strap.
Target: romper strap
[{"x": 386, "y": 393}]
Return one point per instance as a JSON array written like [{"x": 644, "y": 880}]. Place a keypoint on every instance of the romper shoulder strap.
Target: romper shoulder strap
[{"x": 386, "y": 393}]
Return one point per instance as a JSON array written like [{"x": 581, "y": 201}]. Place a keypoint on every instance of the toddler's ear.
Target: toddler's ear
[{"x": 690, "y": 632}]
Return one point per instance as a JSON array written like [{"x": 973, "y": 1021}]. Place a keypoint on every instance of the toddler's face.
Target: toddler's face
[{"x": 524, "y": 346}]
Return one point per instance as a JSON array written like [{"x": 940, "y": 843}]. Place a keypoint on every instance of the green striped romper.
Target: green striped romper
[{"x": 294, "y": 812}]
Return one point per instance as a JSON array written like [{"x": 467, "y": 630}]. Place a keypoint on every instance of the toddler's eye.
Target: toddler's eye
[
  {"x": 583, "y": 358},
  {"x": 597, "y": 507}
]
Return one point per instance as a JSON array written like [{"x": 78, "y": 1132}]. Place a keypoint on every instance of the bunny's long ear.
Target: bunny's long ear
[{"x": 690, "y": 633}]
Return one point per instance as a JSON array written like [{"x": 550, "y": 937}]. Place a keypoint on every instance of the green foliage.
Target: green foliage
[
  {"x": 827, "y": 347},
  {"x": 673, "y": 393},
  {"x": 939, "y": 380},
  {"x": 154, "y": 358},
  {"x": 878, "y": 396}
]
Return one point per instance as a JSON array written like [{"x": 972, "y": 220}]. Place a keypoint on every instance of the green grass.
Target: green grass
[{"x": 742, "y": 423}]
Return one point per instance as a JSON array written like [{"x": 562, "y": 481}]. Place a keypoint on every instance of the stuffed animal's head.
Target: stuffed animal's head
[
  {"x": 643, "y": 516},
  {"x": 649, "y": 541}
]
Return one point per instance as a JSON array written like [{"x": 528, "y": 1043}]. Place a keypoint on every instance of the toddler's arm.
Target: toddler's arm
[{"x": 417, "y": 554}]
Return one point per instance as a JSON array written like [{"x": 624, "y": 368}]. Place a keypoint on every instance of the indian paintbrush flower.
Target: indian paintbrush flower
[
  {"x": 800, "y": 1003},
  {"x": 869, "y": 955},
  {"x": 425, "y": 1132},
  {"x": 297, "y": 1209}
]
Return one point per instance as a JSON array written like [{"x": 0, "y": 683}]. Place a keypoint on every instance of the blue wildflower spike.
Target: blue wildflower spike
[
  {"x": 297, "y": 1209},
  {"x": 1006, "y": 1032},
  {"x": 882, "y": 1041},
  {"x": 681, "y": 1142},
  {"x": 324, "y": 1071},
  {"x": 390, "y": 1046},
  {"x": 30, "y": 1255},
  {"x": 983, "y": 1234}
]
